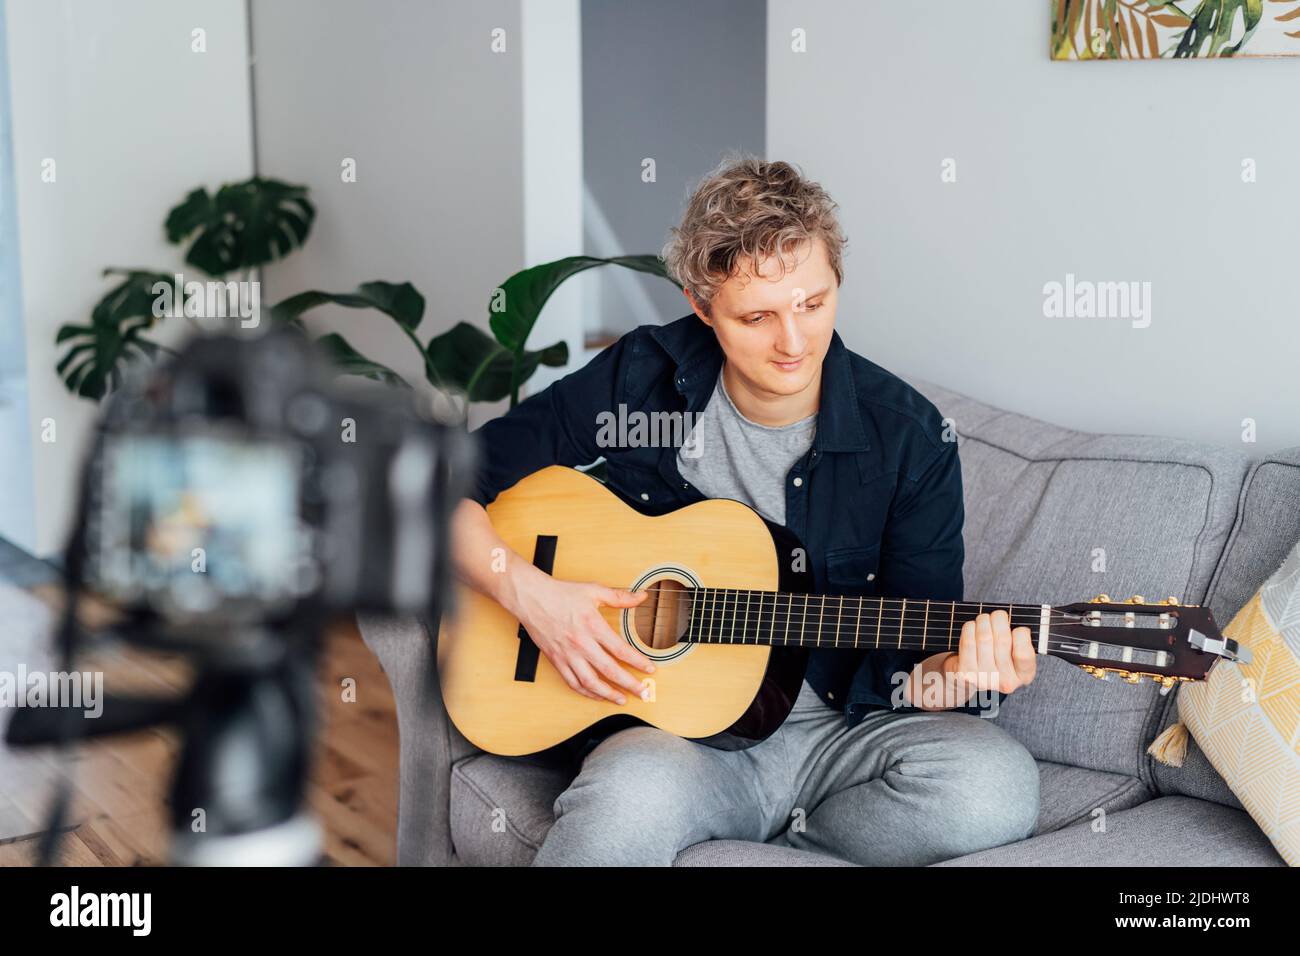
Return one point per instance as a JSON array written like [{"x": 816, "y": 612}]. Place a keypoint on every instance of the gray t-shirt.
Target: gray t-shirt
[{"x": 728, "y": 456}]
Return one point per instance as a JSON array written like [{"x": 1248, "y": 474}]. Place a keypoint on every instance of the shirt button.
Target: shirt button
[
  {"x": 830, "y": 696},
  {"x": 645, "y": 496},
  {"x": 798, "y": 482}
]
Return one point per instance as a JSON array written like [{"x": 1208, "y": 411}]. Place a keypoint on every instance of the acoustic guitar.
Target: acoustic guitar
[{"x": 730, "y": 622}]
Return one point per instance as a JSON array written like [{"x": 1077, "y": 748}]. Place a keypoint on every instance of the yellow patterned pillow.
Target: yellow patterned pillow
[{"x": 1246, "y": 717}]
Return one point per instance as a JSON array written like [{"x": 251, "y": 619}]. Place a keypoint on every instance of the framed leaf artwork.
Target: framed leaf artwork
[{"x": 1173, "y": 29}]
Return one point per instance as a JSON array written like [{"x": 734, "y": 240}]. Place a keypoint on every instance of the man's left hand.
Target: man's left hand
[{"x": 990, "y": 656}]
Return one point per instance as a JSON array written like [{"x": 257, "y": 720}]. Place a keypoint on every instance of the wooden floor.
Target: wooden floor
[{"x": 119, "y": 813}]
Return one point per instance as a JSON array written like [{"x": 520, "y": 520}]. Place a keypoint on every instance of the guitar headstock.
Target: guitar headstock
[{"x": 1166, "y": 641}]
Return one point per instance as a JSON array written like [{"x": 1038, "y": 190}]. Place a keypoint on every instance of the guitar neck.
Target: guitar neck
[{"x": 738, "y": 616}]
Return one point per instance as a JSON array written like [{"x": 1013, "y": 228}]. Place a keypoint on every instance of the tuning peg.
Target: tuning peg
[
  {"x": 1171, "y": 601},
  {"x": 1133, "y": 678},
  {"x": 1101, "y": 599},
  {"x": 1136, "y": 599},
  {"x": 1097, "y": 672}
]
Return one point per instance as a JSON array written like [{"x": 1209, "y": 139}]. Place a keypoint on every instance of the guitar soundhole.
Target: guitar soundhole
[{"x": 661, "y": 619}]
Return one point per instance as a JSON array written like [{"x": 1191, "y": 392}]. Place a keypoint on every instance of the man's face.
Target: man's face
[{"x": 774, "y": 329}]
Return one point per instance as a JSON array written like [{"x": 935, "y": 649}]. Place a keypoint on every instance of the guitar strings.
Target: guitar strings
[
  {"x": 885, "y": 639},
  {"x": 1064, "y": 644},
  {"x": 854, "y": 611},
  {"x": 1056, "y": 642},
  {"x": 1033, "y": 612},
  {"x": 1035, "y": 609},
  {"x": 892, "y": 638}
]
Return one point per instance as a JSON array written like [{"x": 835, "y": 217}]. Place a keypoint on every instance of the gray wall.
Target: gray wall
[
  {"x": 1108, "y": 170},
  {"x": 433, "y": 118},
  {"x": 677, "y": 81}
]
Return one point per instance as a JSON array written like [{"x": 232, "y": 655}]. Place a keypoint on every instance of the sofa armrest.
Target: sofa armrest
[{"x": 428, "y": 743}]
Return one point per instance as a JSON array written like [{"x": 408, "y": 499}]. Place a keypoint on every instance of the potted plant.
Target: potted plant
[{"x": 246, "y": 225}]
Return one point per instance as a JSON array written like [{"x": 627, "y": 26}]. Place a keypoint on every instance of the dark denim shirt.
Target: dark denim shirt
[{"x": 876, "y": 501}]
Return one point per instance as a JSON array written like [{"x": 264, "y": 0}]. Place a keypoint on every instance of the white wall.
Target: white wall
[
  {"x": 134, "y": 120},
  {"x": 1108, "y": 170}
]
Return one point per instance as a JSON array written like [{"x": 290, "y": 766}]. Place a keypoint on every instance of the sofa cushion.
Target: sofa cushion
[
  {"x": 1196, "y": 777},
  {"x": 1043, "y": 504},
  {"x": 1068, "y": 795},
  {"x": 744, "y": 853},
  {"x": 502, "y": 807},
  {"x": 1168, "y": 831}
]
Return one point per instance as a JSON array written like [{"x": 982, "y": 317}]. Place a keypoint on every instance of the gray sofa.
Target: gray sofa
[{"x": 1202, "y": 523}]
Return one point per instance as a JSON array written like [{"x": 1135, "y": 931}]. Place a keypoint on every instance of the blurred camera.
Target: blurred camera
[
  {"x": 240, "y": 480},
  {"x": 233, "y": 497}
]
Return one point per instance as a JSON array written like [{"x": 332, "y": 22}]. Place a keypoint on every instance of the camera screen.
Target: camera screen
[{"x": 196, "y": 523}]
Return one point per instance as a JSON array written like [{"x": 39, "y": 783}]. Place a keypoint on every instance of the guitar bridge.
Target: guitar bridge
[{"x": 526, "y": 659}]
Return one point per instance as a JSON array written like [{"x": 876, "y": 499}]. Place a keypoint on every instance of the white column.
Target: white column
[{"x": 552, "y": 162}]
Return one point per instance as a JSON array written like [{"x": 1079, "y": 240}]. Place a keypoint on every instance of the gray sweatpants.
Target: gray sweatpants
[{"x": 898, "y": 789}]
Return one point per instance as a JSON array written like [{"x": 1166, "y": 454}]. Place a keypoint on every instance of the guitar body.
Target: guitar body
[{"x": 508, "y": 699}]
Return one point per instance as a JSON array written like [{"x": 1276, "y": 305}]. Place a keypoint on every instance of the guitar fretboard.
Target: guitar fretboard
[{"x": 737, "y": 616}]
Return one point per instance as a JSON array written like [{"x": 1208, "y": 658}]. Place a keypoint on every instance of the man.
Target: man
[{"x": 883, "y": 759}]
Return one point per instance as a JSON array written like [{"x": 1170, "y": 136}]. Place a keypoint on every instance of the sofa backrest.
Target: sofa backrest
[
  {"x": 1059, "y": 516},
  {"x": 1268, "y": 526}
]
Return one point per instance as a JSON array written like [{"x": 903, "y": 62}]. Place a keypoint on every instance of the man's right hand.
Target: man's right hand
[{"x": 564, "y": 620}]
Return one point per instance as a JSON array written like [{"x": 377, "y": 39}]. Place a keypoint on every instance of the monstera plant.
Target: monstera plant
[
  {"x": 240, "y": 228},
  {"x": 247, "y": 225},
  {"x": 492, "y": 367}
]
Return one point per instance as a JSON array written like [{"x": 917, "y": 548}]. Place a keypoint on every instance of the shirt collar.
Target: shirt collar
[{"x": 694, "y": 347}]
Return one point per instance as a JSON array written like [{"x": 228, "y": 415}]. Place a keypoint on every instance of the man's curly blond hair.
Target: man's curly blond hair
[{"x": 749, "y": 209}]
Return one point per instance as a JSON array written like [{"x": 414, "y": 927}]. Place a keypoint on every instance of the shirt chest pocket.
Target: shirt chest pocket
[
  {"x": 637, "y": 483},
  {"x": 852, "y": 570}
]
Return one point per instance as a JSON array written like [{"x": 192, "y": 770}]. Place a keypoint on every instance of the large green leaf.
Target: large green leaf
[
  {"x": 524, "y": 293},
  {"x": 514, "y": 310},
  {"x": 400, "y": 301},
  {"x": 98, "y": 352},
  {"x": 467, "y": 358},
  {"x": 1212, "y": 24},
  {"x": 349, "y": 361},
  {"x": 245, "y": 225},
  {"x": 1065, "y": 23}
]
